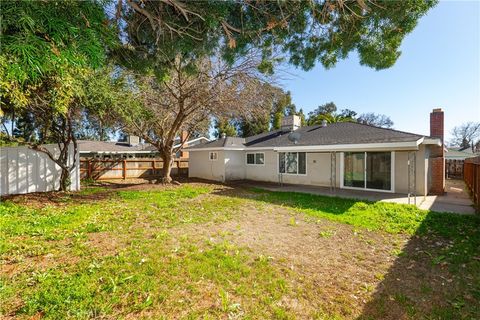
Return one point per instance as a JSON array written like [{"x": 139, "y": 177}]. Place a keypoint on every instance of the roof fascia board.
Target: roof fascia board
[
  {"x": 352, "y": 147},
  {"x": 410, "y": 145}
]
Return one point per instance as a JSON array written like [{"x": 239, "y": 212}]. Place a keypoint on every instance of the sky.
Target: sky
[{"x": 439, "y": 68}]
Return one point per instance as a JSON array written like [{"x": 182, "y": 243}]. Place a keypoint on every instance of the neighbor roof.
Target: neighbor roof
[
  {"x": 88, "y": 146},
  {"x": 340, "y": 133},
  {"x": 453, "y": 154}
]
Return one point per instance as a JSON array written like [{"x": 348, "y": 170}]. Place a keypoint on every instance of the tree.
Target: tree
[
  {"x": 185, "y": 100},
  {"x": 225, "y": 127},
  {"x": 466, "y": 135},
  {"x": 25, "y": 127},
  {"x": 47, "y": 48},
  {"x": 282, "y": 106},
  {"x": 62, "y": 126},
  {"x": 328, "y": 112},
  {"x": 378, "y": 120},
  {"x": 307, "y": 31}
]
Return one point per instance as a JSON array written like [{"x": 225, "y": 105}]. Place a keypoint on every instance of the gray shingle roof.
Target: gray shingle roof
[
  {"x": 332, "y": 134},
  {"x": 111, "y": 146},
  {"x": 118, "y": 147}
]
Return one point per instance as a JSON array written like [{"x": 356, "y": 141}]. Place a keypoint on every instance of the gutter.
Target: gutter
[{"x": 409, "y": 145}]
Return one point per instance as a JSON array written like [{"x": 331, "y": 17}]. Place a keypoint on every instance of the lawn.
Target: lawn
[{"x": 209, "y": 251}]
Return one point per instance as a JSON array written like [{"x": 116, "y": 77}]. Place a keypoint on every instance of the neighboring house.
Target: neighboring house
[
  {"x": 345, "y": 155},
  {"x": 454, "y": 159},
  {"x": 132, "y": 148}
]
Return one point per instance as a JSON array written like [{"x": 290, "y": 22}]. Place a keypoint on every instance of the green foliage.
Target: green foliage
[
  {"x": 306, "y": 31},
  {"x": 282, "y": 106},
  {"x": 224, "y": 126},
  {"x": 44, "y": 44},
  {"x": 328, "y": 112}
]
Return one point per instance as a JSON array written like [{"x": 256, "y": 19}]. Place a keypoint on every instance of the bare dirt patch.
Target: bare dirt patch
[{"x": 333, "y": 267}]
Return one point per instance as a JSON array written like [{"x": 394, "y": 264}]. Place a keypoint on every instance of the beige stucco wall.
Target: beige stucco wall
[
  {"x": 231, "y": 165},
  {"x": 200, "y": 166},
  {"x": 318, "y": 170},
  {"x": 234, "y": 165}
]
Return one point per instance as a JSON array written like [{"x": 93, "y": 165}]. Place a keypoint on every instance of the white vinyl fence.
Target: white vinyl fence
[{"x": 23, "y": 170}]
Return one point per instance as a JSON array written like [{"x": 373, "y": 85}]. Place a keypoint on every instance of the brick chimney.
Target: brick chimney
[
  {"x": 437, "y": 157},
  {"x": 183, "y": 138},
  {"x": 436, "y": 123}
]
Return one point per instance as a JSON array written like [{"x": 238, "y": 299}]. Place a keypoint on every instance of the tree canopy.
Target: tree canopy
[{"x": 305, "y": 32}]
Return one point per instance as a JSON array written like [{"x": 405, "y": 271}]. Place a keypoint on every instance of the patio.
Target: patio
[{"x": 455, "y": 200}]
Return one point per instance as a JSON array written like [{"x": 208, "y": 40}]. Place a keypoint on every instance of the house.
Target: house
[
  {"x": 339, "y": 155},
  {"x": 132, "y": 148},
  {"x": 454, "y": 159}
]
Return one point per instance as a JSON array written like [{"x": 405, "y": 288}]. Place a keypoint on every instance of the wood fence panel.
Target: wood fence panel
[
  {"x": 471, "y": 176},
  {"x": 128, "y": 168}
]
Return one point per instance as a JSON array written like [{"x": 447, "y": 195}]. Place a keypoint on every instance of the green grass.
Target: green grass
[
  {"x": 153, "y": 271},
  {"x": 147, "y": 260},
  {"x": 384, "y": 216}
]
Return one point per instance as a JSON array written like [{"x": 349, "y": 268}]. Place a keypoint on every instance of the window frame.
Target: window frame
[
  {"x": 392, "y": 173},
  {"x": 285, "y": 163},
  {"x": 254, "y": 159},
  {"x": 210, "y": 155}
]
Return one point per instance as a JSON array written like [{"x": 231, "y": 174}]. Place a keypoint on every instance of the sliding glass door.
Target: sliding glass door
[
  {"x": 368, "y": 170},
  {"x": 379, "y": 169},
  {"x": 354, "y": 169}
]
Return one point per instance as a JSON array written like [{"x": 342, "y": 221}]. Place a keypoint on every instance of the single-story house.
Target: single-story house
[
  {"x": 132, "y": 148},
  {"x": 340, "y": 155}
]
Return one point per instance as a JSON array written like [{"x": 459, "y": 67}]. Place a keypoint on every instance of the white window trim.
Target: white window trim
[
  {"x": 392, "y": 174},
  {"x": 293, "y": 174},
  {"x": 254, "y": 158},
  {"x": 210, "y": 156}
]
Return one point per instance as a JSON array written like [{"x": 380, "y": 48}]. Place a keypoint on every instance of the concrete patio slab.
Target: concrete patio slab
[{"x": 455, "y": 200}]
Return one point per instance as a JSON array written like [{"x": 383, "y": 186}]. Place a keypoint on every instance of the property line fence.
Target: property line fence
[
  {"x": 23, "y": 170},
  {"x": 128, "y": 168},
  {"x": 471, "y": 176}
]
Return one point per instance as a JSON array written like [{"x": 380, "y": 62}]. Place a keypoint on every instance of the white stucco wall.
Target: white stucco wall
[{"x": 200, "y": 166}]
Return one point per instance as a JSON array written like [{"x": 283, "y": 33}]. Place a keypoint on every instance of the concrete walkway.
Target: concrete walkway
[{"x": 455, "y": 200}]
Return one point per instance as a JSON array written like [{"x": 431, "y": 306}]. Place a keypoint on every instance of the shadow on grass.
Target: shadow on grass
[{"x": 437, "y": 273}]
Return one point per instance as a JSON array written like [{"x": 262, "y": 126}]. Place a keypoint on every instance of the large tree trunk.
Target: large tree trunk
[{"x": 167, "y": 158}]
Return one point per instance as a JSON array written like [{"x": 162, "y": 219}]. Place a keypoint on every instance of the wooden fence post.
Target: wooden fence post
[
  {"x": 89, "y": 169},
  {"x": 124, "y": 169}
]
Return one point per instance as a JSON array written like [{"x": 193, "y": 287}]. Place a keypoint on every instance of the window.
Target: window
[
  {"x": 368, "y": 170},
  {"x": 213, "y": 156},
  {"x": 256, "y": 158},
  {"x": 292, "y": 162}
]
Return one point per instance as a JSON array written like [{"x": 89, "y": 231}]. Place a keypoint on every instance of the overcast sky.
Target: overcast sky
[{"x": 439, "y": 67}]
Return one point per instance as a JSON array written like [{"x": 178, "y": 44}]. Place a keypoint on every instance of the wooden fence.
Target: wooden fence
[
  {"x": 471, "y": 176},
  {"x": 128, "y": 168}
]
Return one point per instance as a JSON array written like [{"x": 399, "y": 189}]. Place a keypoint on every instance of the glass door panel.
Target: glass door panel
[
  {"x": 379, "y": 170},
  {"x": 354, "y": 169}
]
